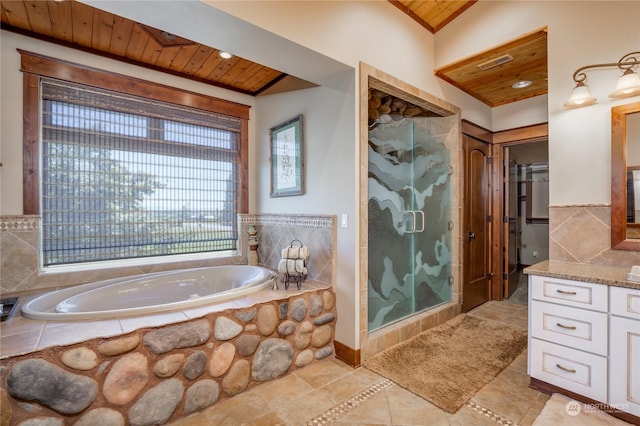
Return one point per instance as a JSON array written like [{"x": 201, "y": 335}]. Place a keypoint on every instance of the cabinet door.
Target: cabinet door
[{"x": 625, "y": 365}]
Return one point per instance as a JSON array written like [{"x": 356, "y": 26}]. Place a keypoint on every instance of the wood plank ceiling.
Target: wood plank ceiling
[
  {"x": 83, "y": 27},
  {"x": 520, "y": 60},
  {"x": 80, "y": 26}
]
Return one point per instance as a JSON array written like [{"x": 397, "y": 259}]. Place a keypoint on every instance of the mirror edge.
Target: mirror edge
[{"x": 619, "y": 239}]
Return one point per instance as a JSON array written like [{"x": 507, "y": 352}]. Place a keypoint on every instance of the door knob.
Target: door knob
[{"x": 471, "y": 236}]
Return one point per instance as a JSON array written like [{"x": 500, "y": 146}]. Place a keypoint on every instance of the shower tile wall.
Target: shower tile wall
[{"x": 19, "y": 252}]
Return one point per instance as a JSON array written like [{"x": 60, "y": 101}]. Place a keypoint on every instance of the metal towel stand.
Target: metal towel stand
[{"x": 294, "y": 275}]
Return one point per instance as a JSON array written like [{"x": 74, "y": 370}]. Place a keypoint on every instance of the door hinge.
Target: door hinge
[
  {"x": 490, "y": 159},
  {"x": 489, "y": 218},
  {"x": 505, "y": 219},
  {"x": 505, "y": 276}
]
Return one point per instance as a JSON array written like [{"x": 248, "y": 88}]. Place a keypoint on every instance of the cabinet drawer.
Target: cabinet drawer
[
  {"x": 573, "y": 370},
  {"x": 578, "y": 328},
  {"x": 571, "y": 293},
  {"x": 625, "y": 302}
]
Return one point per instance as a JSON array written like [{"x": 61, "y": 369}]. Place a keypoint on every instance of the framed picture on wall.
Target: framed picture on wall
[{"x": 287, "y": 158}]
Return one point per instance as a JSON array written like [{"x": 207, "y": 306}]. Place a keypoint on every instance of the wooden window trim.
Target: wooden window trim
[{"x": 35, "y": 66}]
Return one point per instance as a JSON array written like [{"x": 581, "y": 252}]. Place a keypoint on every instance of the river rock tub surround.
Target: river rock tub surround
[{"x": 154, "y": 375}]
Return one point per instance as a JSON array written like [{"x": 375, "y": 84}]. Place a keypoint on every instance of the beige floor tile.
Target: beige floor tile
[
  {"x": 299, "y": 410},
  {"x": 407, "y": 408},
  {"x": 284, "y": 390},
  {"x": 374, "y": 411},
  {"x": 503, "y": 401},
  {"x": 345, "y": 387},
  {"x": 321, "y": 373},
  {"x": 238, "y": 410},
  {"x": 467, "y": 417}
]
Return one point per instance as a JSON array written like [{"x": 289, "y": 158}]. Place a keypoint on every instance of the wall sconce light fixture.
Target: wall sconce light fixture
[{"x": 628, "y": 83}]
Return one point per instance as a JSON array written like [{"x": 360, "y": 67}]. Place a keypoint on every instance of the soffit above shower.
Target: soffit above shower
[
  {"x": 77, "y": 25},
  {"x": 518, "y": 60},
  {"x": 489, "y": 76}
]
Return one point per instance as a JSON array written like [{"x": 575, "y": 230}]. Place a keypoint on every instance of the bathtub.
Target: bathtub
[{"x": 149, "y": 293}]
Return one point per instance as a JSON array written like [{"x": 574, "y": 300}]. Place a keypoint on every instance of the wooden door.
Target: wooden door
[{"x": 476, "y": 235}]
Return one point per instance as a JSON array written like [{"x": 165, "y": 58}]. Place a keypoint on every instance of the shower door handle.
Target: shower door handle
[
  {"x": 421, "y": 220},
  {"x": 414, "y": 214}
]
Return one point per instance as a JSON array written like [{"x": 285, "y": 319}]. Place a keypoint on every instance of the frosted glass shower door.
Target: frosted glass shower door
[{"x": 409, "y": 212}]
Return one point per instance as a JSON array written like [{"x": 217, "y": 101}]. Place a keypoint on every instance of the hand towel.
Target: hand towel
[
  {"x": 292, "y": 266},
  {"x": 295, "y": 253}
]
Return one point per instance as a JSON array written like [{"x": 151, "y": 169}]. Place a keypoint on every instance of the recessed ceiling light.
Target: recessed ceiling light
[
  {"x": 225, "y": 55},
  {"x": 521, "y": 84}
]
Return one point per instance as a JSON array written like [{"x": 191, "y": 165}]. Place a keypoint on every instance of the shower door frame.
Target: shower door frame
[{"x": 373, "y": 342}]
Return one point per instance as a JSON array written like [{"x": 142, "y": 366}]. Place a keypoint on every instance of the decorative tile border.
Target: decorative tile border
[
  {"x": 490, "y": 414},
  {"x": 309, "y": 221},
  {"x": 19, "y": 223},
  {"x": 332, "y": 414}
]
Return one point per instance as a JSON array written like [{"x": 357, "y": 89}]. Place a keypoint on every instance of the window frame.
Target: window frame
[{"x": 35, "y": 66}]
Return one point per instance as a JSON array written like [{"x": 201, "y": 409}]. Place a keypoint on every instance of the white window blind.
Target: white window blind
[{"x": 125, "y": 177}]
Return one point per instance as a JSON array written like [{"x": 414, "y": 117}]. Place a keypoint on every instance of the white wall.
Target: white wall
[
  {"x": 330, "y": 170},
  {"x": 579, "y": 33}
]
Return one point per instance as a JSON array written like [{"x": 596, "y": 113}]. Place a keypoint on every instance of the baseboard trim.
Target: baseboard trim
[
  {"x": 347, "y": 354},
  {"x": 548, "y": 388}
]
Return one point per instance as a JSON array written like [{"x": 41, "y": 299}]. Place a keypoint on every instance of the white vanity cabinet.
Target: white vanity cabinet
[
  {"x": 624, "y": 382},
  {"x": 585, "y": 338},
  {"x": 568, "y": 335}
]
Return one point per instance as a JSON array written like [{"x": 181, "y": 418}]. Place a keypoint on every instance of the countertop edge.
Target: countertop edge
[{"x": 614, "y": 276}]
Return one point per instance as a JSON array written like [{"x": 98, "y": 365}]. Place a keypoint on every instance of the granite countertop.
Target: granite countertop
[{"x": 601, "y": 274}]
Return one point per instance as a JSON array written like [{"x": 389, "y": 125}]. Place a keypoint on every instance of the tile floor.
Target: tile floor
[{"x": 331, "y": 392}]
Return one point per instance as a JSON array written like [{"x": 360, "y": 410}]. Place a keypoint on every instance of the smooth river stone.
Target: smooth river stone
[
  {"x": 316, "y": 305},
  {"x": 128, "y": 376},
  {"x": 201, "y": 394},
  {"x": 267, "y": 320},
  {"x": 168, "y": 366},
  {"x": 221, "y": 359},
  {"x": 178, "y": 336},
  {"x": 299, "y": 309},
  {"x": 51, "y": 386},
  {"x": 195, "y": 365},
  {"x": 238, "y": 378},
  {"x": 226, "y": 329},
  {"x": 101, "y": 417},
  {"x": 272, "y": 359},
  {"x": 302, "y": 338},
  {"x": 304, "y": 358},
  {"x": 119, "y": 346},
  {"x": 157, "y": 405},
  {"x": 327, "y": 300},
  {"x": 79, "y": 358},
  {"x": 321, "y": 336}
]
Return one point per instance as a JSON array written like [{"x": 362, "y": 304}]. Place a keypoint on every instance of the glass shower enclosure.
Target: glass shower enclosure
[{"x": 409, "y": 216}]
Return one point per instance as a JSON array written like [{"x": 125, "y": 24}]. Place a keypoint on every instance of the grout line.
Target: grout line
[
  {"x": 332, "y": 414},
  {"x": 490, "y": 414}
]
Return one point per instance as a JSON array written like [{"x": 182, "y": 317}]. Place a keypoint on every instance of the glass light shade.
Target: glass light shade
[
  {"x": 628, "y": 85},
  {"x": 580, "y": 96}
]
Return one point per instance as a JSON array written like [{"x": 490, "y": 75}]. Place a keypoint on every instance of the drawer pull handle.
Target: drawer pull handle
[
  {"x": 568, "y": 327},
  {"x": 569, "y": 293},
  {"x": 568, "y": 370}
]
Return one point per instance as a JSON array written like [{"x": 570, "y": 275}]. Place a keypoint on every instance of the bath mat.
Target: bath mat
[{"x": 448, "y": 364}]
